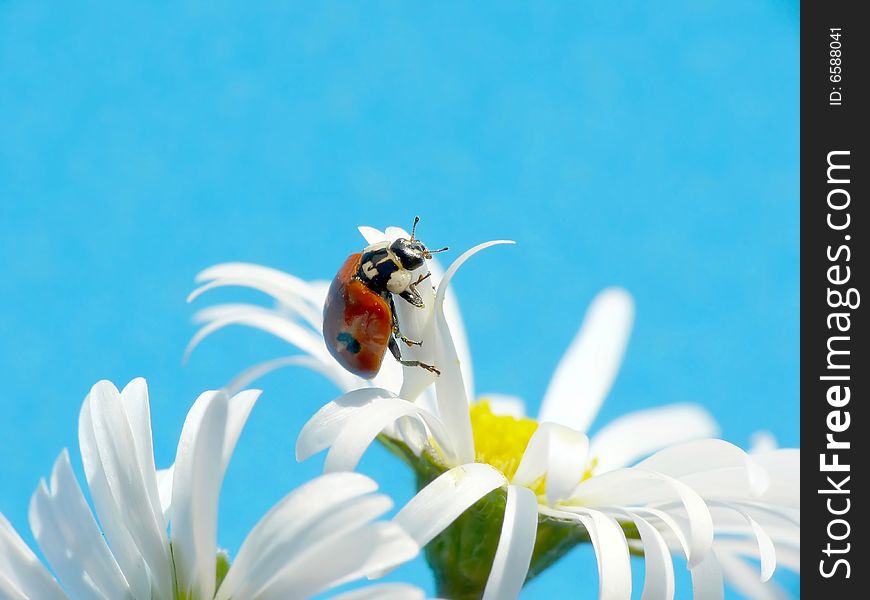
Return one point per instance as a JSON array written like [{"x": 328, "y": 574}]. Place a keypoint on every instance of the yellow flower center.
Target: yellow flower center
[{"x": 500, "y": 441}]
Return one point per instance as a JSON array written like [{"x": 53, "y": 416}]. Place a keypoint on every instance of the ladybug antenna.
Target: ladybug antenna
[
  {"x": 444, "y": 249},
  {"x": 414, "y": 228}
]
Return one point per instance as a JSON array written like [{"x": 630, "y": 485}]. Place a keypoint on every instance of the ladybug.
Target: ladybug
[{"x": 359, "y": 316}]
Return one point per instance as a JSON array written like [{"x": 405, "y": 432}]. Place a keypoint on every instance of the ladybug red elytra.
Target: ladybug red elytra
[{"x": 359, "y": 317}]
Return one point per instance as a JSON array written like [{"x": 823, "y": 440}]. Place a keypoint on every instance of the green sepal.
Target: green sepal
[{"x": 461, "y": 556}]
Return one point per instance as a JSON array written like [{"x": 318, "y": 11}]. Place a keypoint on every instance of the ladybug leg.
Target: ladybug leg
[
  {"x": 397, "y": 353},
  {"x": 412, "y": 296},
  {"x": 396, "y": 331}
]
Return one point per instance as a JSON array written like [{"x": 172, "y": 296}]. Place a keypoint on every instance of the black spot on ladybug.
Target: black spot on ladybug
[{"x": 350, "y": 342}]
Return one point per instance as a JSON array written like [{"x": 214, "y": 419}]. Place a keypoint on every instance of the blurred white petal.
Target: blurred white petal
[
  {"x": 504, "y": 405},
  {"x": 703, "y": 458},
  {"x": 762, "y": 441},
  {"x": 384, "y": 591},
  {"x": 342, "y": 379},
  {"x": 587, "y": 370},
  {"x": 766, "y": 550},
  {"x": 267, "y": 320},
  {"x": 279, "y": 281},
  {"x": 743, "y": 577},
  {"x": 707, "y": 582},
  {"x": 633, "y": 436}
]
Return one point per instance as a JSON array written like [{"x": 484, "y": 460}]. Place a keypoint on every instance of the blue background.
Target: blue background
[{"x": 651, "y": 145}]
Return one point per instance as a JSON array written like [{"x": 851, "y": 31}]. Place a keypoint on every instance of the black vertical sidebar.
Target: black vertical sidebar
[{"x": 835, "y": 223}]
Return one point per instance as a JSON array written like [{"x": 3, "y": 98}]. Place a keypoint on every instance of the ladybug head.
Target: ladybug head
[{"x": 412, "y": 253}]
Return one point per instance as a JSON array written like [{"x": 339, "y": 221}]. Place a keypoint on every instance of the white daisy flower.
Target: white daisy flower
[
  {"x": 553, "y": 485},
  {"x": 321, "y": 535}
]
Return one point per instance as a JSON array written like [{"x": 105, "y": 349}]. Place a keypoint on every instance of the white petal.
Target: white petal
[
  {"x": 587, "y": 370},
  {"x": 559, "y": 453},
  {"x": 208, "y": 439},
  {"x": 133, "y": 485},
  {"x": 70, "y": 539},
  {"x": 10, "y": 591},
  {"x": 762, "y": 441},
  {"x": 674, "y": 530},
  {"x": 164, "y": 489},
  {"x": 635, "y": 487},
  {"x": 438, "y": 504},
  {"x": 418, "y": 324},
  {"x": 278, "y": 550},
  {"x": 195, "y": 490},
  {"x": 111, "y": 515},
  {"x": 138, "y": 411},
  {"x": 658, "y": 581},
  {"x": 766, "y": 549},
  {"x": 297, "y": 301},
  {"x": 453, "y": 400},
  {"x": 394, "y": 233},
  {"x": 412, "y": 433},
  {"x": 336, "y": 560},
  {"x": 371, "y": 235},
  {"x": 300, "y": 509},
  {"x": 239, "y": 409},
  {"x": 21, "y": 573},
  {"x": 783, "y": 467},
  {"x": 384, "y": 591},
  {"x": 787, "y": 554},
  {"x": 453, "y": 317},
  {"x": 704, "y": 457},
  {"x": 359, "y": 433},
  {"x": 638, "y": 434},
  {"x": 743, "y": 577},
  {"x": 321, "y": 430},
  {"x": 342, "y": 379},
  {"x": 390, "y": 377},
  {"x": 503, "y": 405},
  {"x": 707, "y": 583},
  {"x": 268, "y": 321},
  {"x": 515, "y": 545},
  {"x": 293, "y": 306},
  {"x": 226, "y": 310},
  {"x": 611, "y": 550},
  {"x": 279, "y": 280}
]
